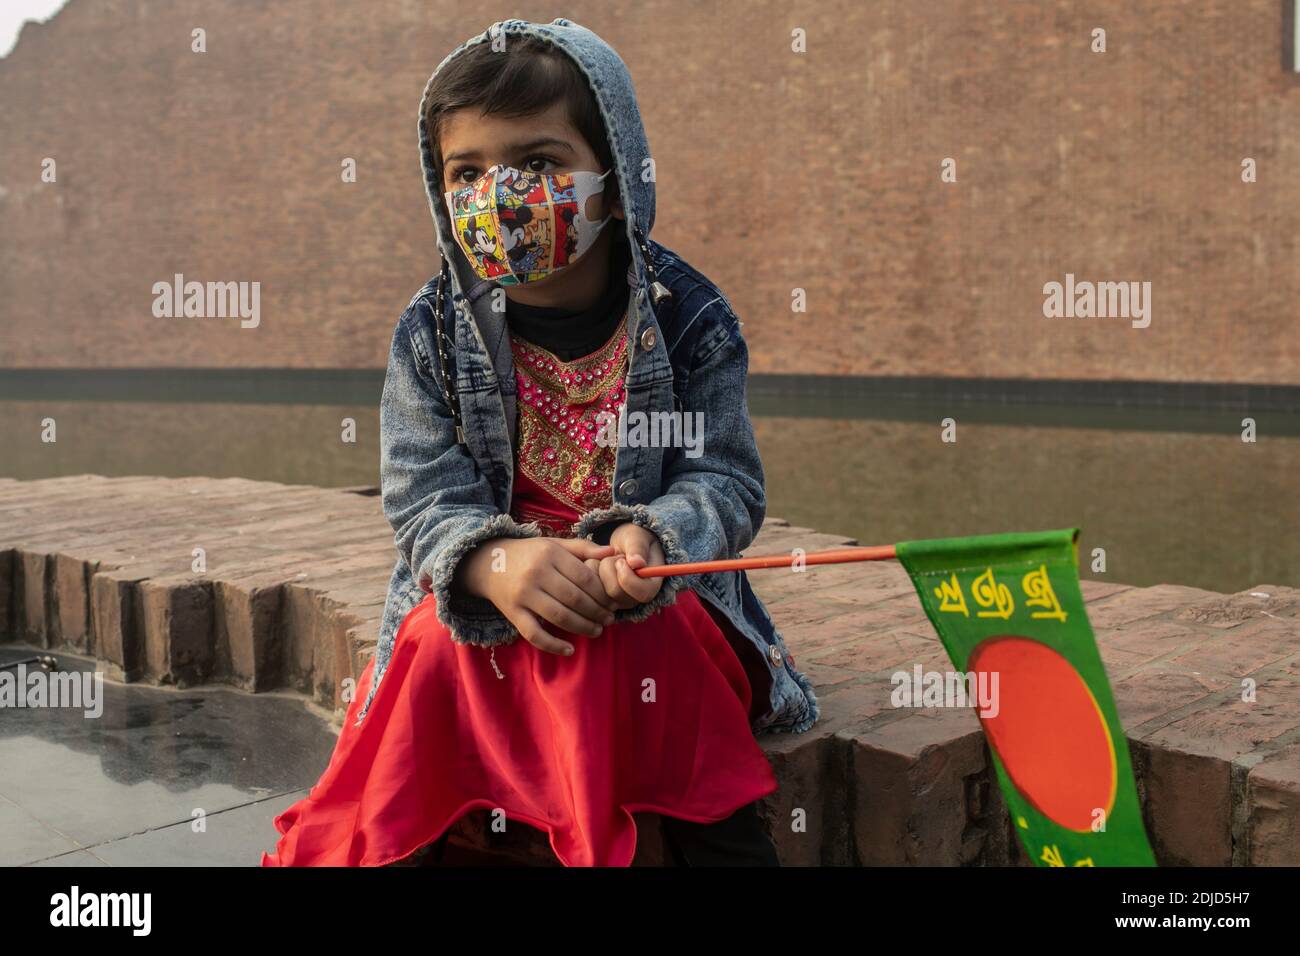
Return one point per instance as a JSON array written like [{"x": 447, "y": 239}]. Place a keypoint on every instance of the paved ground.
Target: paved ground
[
  {"x": 128, "y": 791},
  {"x": 161, "y": 776}
]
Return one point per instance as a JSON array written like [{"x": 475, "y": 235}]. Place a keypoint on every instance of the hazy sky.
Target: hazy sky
[{"x": 14, "y": 12}]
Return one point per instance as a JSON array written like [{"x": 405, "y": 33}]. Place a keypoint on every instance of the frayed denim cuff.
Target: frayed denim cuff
[
  {"x": 598, "y": 525},
  {"x": 470, "y": 618}
]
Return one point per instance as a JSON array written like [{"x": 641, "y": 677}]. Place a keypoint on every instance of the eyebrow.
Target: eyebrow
[{"x": 523, "y": 147}]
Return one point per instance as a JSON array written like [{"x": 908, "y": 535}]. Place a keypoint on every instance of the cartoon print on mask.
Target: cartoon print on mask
[
  {"x": 568, "y": 249},
  {"x": 517, "y": 188},
  {"x": 479, "y": 233},
  {"x": 523, "y": 246},
  {"x": 480, "y": 237},
  {"x": 518, "y": 226}
]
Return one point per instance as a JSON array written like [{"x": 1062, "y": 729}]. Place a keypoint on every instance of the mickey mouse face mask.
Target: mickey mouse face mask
[{"x": 520, "y": 226}]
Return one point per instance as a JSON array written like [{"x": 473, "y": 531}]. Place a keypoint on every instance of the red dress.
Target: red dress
[{"x": 651, "y": 716}]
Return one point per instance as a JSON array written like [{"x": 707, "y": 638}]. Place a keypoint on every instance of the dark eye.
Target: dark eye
[
  {"x": 539, "y": 163},
  {"x": 465, "y": 175}
]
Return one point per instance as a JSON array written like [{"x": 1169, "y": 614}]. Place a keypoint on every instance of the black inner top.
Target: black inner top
[{"x": 570, "y": 334}]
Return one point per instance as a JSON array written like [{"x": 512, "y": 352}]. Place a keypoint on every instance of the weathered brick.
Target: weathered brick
[
  {"x": 1243, "y": 649},
  {"x": 246, "y": 618},
  {"x": 178, "y": 629},
  {"x": 1138, "y": 604},
  {"x": 1227, "y": 727},
  {"x": 71, "y": 604},
  {"x": 886, "y": 650},
  {"x": 35, "y": 577},
  {"x": 1235, "y": 609},
  {"x": 1187, "y": 806},
  {"x": 807, "y": 819},
  {"x": 1144, "y": 641},
  {"x": 8, "y": 602},
  {"x": 1154, "y": 692},
  {"x": 850, "y": 703},
  {"x": 1272, "y": 810},
  {"x": 118, "y": 617},
  {"x": 909, "y": 783}
]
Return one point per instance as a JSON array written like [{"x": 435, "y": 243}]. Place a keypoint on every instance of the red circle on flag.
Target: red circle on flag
[{"x": 1048, "y": 730}]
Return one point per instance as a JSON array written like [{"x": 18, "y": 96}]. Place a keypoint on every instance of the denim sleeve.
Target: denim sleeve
[
  {"x": 713, "y": 505},
  {"x": 434, "y": 495}
]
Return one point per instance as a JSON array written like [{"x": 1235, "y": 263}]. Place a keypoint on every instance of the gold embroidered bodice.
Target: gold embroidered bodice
[{"x": 561, "y": 405}]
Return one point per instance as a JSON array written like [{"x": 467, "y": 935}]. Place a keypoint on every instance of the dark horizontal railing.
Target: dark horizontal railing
[{"x": 1159, "y": 406}]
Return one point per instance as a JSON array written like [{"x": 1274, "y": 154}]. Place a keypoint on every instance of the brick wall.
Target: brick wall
[{"x": 819, "y": 171}]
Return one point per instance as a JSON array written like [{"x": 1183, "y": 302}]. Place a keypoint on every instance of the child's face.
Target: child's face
[{"x": 545, "y": 142}]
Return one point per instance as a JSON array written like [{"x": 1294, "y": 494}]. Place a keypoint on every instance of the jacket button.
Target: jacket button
[
  {"x": 627, "y": 488},
  {"x": 648, "y": 339},
  {"x": 774, "y": 655}
]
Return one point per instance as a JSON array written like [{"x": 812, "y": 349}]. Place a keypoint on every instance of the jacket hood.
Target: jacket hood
[{"x": 611, "y": 84}]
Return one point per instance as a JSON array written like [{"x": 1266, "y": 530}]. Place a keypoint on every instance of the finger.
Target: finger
[
  {"x": 563, "y": 617},
  {"x": 587, "y": 598},
  {"x": 654, "y": 558},
  {"x": 594, "y": 565},
  {"x": 643, "y": 589},
  {"x": 531, "y": 630},
  {"x": 609, "y": 578},
  {"x": 588, "y": 580},
  {"x": 638, "y": 546},
  {"x": 583, "y": 548}
]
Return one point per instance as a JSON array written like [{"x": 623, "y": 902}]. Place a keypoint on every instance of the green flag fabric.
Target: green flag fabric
[{"x": 1010, "y": 613}]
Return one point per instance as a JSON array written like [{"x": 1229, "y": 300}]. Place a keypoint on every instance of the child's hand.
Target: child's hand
[
  {"x": 636, "y": 547},
  {"x": 541, "y": 579}
]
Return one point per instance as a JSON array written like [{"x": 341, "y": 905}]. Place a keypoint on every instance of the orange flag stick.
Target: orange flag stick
[{"x": 878, "y": 552}]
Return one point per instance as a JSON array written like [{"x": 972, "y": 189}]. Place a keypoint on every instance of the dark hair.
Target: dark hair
[{"x": 527, "y": 78}]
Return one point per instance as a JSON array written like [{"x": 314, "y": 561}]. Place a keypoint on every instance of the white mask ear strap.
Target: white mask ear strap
[
  {"x": 587, "y": 185},
  {"x": 609, "y": 216},
  {"x": 597, "y": 226}
]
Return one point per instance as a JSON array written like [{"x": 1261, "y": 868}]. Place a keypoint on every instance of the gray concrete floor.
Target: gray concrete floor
[{"x": 128, "y": 787}]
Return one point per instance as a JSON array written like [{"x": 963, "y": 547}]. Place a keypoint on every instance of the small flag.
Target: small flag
[{"x": 1010, "y": 614}]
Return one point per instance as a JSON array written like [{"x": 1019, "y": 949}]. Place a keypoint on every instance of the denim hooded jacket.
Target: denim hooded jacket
[{"x": 686, "y": 353}]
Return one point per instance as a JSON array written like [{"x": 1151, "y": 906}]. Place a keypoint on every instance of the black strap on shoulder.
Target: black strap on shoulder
[
  {"x": 444, "y": 346},
  {"x": 658, "y": 291}
]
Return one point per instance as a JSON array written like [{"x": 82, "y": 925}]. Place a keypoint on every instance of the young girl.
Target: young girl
[{"x": 525, "y": 489}]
